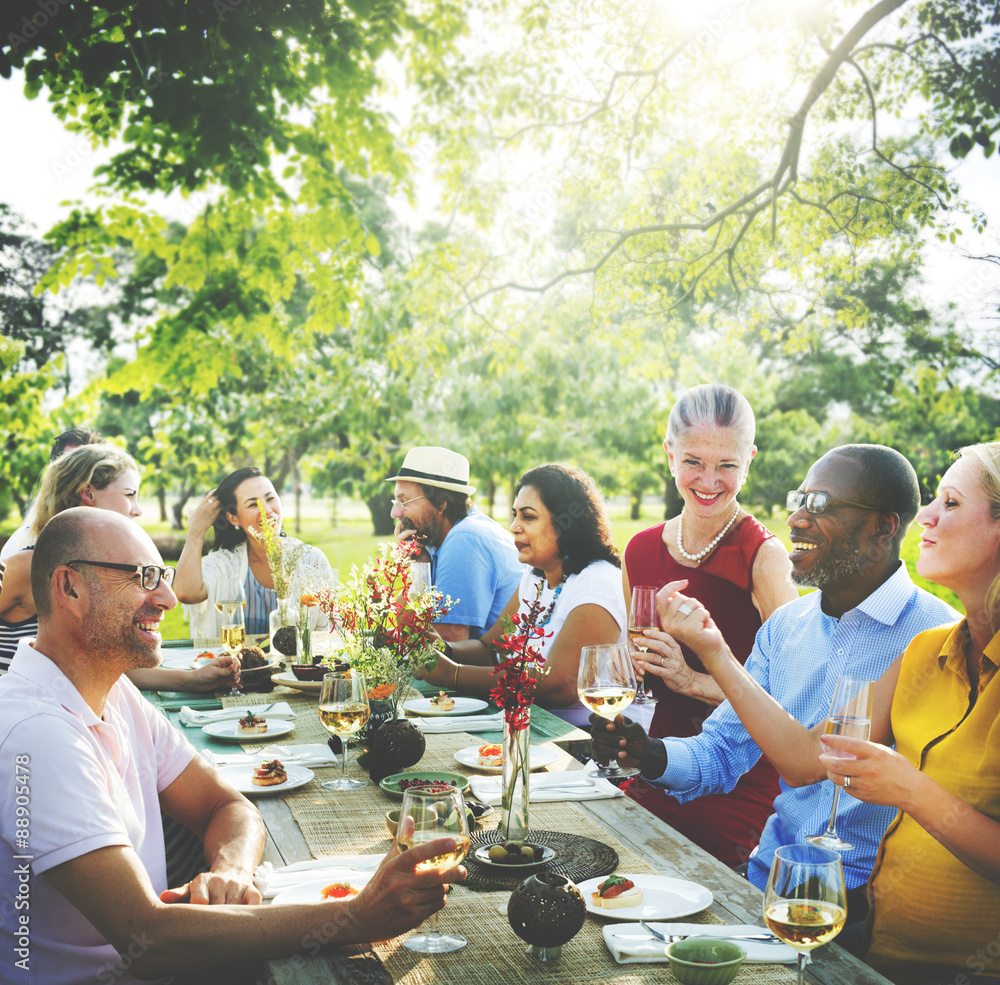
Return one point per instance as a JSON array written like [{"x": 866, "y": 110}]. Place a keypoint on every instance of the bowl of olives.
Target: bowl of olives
[{"x": 521, "y": 856}]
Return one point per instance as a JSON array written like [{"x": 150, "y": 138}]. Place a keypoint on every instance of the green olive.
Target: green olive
[{"x": 497, "y": 853}]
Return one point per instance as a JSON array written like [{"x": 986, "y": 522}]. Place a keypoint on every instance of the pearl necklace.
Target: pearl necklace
[{"x": 722, "y": 533}]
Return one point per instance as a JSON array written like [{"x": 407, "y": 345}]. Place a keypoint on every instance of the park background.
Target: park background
[{"x": 311, "y": 235}]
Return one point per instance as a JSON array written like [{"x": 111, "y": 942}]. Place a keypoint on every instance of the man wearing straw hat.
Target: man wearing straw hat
[{"x": 472, "y": 557}]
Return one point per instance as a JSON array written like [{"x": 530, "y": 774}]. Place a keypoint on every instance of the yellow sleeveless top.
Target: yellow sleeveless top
[{"x": 929, "y": 910}]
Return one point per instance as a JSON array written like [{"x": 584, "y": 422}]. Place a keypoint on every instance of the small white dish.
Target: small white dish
[
  {"x": 663, "y": 898},
  {"x": 288, "y": 679},
  {"x": 227, "y": 731},
  {"x": 241, "y": 777},
  {"x": 312, "y": 892},
  {"x": 538, "y": 758},
  {"x": 463, "y": 706}
]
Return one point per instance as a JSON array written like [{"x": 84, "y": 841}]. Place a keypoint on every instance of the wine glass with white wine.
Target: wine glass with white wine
[
  {"x": 428, "y": 814},
  {"x": 606, "y": 685},
  {"x": 642, "y": 615},
  {"x": 344, "y": 711},
  {"x": 805, "y": 902},
  {"x": 851, "y": 715},
  {"x": 233, "y": 631}
]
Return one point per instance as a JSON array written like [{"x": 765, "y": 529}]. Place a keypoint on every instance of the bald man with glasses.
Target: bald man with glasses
[
  {"x": 92, "y": 764},
  {"x": 848, "y": 520}
]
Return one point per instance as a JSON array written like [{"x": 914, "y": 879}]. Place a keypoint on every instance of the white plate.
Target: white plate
[
  {"x": 663, "y": 898},
  {"x": 311, "y": 892},
  {"x": 276, "y": 727},
  {"x": 241, "y": 777},
  {"x": 288, "y": 679},
  {"x": 539, "y": 757},
  {"x": 463, "y": 706}
]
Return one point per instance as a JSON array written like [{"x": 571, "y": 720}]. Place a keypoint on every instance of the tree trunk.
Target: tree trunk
[
  {"x": 161, "y": 498},
  {"x": 491, "y": 495},
  {"x": 380, "y": 506},
  {"x": 672, "y": 502},
  {"x": 636, "y": 509},
  {"x": 297, "y": 487},
  {"x": 177, "y": 509}
]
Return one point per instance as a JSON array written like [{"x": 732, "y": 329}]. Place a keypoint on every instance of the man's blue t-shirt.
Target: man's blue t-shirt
[{"x": 476, "y": 564}]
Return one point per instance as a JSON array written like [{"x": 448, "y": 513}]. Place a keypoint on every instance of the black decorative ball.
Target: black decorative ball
[
  {"x": 284, "y": 641},
  {"x": 393, "y": 746},
  {"x": 546, "y": 910}
]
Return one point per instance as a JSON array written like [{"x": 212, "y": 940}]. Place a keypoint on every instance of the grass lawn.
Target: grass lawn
[{"x": 344, "y": 535}]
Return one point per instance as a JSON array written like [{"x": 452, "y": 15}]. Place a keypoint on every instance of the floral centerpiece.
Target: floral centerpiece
[
  {"x": 518, "y": 671},
  {"x": 388, "y": 635},
  {"x": 283, "y": 559}
]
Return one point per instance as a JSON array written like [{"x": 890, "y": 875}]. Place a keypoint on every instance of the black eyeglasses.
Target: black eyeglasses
[
  {"x": 149, "y": 574},
  {"x": 817, "y": 502}
]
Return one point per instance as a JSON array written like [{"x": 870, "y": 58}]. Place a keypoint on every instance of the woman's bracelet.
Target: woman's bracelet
[{"x": 456, "y": 675}]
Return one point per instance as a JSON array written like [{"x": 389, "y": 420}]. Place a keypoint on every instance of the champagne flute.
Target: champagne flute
[
  {"x": 233, "y": 632},
  {"x": 344, "y": 711},
  {"x": 851, "y": 715},
  {"x": 427, "y": 814},
  {"x": 606, "y": 685},
  {"x": 642, "y": 615},
  {"x": 805, "y": 902}
]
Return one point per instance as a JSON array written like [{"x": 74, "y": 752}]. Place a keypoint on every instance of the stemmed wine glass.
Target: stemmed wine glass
[
  {"x": 642, "y": 615},
  {"x": 344, "y": 711},
  {"x": 233, "y": 632},
  {"x": 420, "y": 578},
  {"x": 805, "y": 902},
  {"x": 606, "y": 685},
  {"x": 427, "y": 814},
  {"x": 851, "y": 715}
]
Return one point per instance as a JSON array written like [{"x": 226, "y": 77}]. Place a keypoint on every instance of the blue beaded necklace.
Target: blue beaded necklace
[{"x": 552, "y": 605}]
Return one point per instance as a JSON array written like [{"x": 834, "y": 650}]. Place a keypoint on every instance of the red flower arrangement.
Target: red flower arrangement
[{"x": 518, "y": 675}]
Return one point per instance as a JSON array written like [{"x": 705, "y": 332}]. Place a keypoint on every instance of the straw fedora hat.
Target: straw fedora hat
[{"x": 433, "y": 466}]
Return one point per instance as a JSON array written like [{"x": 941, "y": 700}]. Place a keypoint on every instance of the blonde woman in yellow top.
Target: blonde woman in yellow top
[{"x": 935, "y": 886}]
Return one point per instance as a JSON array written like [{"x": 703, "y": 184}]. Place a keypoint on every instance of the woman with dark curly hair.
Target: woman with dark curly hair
[{"x": 563, "y": 539}]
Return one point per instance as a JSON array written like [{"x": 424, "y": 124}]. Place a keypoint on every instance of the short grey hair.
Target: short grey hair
[{"x": 711, "y": 405}]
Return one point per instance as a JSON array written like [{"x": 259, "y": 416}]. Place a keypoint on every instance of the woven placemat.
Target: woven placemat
[
  {"x": 577, "y": 857},
  {"x": 495, "y": 955}
]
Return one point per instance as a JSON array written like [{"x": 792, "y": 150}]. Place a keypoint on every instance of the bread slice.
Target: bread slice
[
  {"x": 251, "y": 725},
  {"x": 269, "y": 774},
  {"x": 631, "y": 897}
]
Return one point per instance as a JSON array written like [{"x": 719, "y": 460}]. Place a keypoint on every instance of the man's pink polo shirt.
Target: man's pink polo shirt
[{"x": 85, "y": 784}]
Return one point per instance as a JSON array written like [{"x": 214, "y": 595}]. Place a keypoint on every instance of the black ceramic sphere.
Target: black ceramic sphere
[{"x": 546, "y": 910}]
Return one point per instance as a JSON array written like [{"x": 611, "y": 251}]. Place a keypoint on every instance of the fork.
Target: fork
[{"x": 673, "y": 938}]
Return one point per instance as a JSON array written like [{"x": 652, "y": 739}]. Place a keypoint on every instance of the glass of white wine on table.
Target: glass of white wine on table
[
  {"x": 642, "y": 616},
  {"x": 344, "y": 711},
  {"x": 428, "y": 814},
  {"x": 606, "y": 685},
  {"x": 805, "y": 901},
  {"x": 850, "y": 715},
  {"x": 233, "y": 633}
]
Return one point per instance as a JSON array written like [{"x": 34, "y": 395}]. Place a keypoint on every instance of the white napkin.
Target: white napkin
[
  {"x": 460, "y": 723},
  {"x": 179, "y": 658},
  {"x": 306, "y": 754},
  {"x": 648, "y": 951},
  {"x": 191, "y": 717},
  {"x": 548, "y": 787},
  {"x": 271, "y": 881}
]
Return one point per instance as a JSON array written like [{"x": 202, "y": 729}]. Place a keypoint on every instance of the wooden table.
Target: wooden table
[{"x": 634, "y": 828}]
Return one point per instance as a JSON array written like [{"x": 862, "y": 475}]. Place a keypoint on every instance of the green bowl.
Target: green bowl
[{"x": 705, "y": 960}]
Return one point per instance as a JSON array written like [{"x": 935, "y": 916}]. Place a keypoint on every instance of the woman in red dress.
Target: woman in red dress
[{"x": 737, "y": 569}]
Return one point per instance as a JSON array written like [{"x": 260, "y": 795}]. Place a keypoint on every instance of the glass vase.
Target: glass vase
[
  {"x": 285, "y": 617},
  {"x": 304, "y": 638},
  {"x": 514, "y": 781}
]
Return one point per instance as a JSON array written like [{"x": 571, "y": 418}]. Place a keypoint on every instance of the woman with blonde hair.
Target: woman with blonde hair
[{"x": 105, "y": 477}]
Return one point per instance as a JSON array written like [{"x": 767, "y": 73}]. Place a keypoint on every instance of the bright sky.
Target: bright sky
[{"x": 48, "y": 165}]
